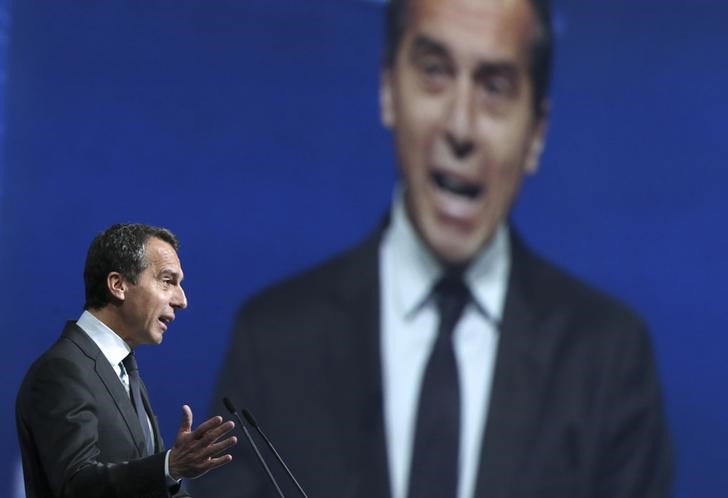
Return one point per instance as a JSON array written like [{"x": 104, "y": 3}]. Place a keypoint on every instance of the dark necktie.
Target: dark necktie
[
  {"x": 132, "y": 371},
  {"x": 434, "y": 468}
]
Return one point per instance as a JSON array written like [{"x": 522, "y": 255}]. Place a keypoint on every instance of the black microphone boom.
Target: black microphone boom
[
  {"x": 234, "y": 412},
  {"x": 249, "y": 417}
]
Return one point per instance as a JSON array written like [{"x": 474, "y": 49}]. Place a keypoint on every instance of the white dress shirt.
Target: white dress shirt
[
  {"x": 111, "y": 345},
  {"x": 409, "y": 327}
]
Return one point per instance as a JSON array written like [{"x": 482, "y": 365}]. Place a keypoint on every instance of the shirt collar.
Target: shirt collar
[
  {"x": 417, "y": 269},
  {"x": 487, "y": 275},
  {"x": 110, "y": 344}
]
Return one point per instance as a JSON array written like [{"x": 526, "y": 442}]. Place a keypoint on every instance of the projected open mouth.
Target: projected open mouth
[{"x": 456, "y": 186}]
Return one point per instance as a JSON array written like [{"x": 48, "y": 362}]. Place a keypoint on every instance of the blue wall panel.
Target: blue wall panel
[{"x": 251, "y": 129}]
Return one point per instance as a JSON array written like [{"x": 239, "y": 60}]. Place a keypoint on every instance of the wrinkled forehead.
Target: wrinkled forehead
[{"x": 486, "y": 28}]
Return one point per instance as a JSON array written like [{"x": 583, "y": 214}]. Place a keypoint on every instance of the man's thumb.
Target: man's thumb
[{"x": 186, "y": 422}]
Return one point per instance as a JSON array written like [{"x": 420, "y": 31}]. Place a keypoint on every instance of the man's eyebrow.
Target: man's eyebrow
[
  {"x": 496, "y": 68},
  {"x": 424, "y": 45},
  {"x": 166, "y": 272}
]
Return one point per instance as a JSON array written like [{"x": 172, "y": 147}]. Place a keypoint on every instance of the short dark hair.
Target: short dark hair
[
  {"x": 541, "y": 50},
  {"x": 119, "y": 248}
]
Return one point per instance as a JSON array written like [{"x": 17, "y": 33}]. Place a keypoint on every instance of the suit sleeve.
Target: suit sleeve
[
  {"x": 636, "y": 453},
  {"x": 61, "y": 414}
]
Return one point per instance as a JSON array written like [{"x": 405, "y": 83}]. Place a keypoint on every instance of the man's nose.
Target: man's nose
[
  {"x": 460, "y": 123},
  {"x": 179, "y": 300}
]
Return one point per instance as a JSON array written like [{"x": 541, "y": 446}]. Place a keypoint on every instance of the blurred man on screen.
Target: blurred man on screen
[
  {"x": 84, "y": 419},
  {"x": 371, "y": 386}
]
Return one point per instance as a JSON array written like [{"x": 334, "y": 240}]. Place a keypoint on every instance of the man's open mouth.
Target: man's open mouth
[{"x": 455, "y": 185}]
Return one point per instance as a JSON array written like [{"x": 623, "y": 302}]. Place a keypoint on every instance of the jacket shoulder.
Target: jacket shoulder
[
  {"x": 555, "y": 292},
  {"x": 327, "y": 283}
]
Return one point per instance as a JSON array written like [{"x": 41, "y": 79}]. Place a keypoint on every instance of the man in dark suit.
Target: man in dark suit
[
  {"x": 554, "y": 391},
  {"x": 84, "y": 419}
]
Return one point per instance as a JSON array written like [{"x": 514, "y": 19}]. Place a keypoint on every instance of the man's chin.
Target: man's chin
[
  {"x": 157, "y": 337},
  {"x": 453, "y": 251},
  {"x": 452, "y": 242}
]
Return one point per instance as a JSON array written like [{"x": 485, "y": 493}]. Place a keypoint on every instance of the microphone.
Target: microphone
[
  {"x": 234, "y": 412},
  {"x": 249, "y": 417}
]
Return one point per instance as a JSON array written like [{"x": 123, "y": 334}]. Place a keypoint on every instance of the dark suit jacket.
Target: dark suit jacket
[
  {"x": 575, "y": 406},
  {"x": 78, "y": 431}
]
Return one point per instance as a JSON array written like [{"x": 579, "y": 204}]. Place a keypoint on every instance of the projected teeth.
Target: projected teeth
[{"x": 456, "y": 186}]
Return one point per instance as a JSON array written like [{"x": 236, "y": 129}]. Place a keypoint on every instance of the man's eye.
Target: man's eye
[
  {"x": 498, "y": 86},
  {"x": 434, "y": 69},
  {"x": 433, "y": 73}
]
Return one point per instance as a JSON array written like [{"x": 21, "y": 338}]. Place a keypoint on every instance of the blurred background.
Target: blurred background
[{"x": 250, "y": 128}]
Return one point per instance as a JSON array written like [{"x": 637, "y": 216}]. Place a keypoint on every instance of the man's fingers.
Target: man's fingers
[
  {"x": 215, "y": 433},
  {"x": 208, "y": 424},
  {"x": 209, "y": 433},
  {"x": 196, "y": 452},
  {"x": 185, "y": 424},
  {"x": 222, "y": 445},
  {"x": 213, "y": 463}
]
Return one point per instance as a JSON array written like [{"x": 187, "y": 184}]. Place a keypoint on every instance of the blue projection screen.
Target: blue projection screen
[{"x": 251, "y": 129}]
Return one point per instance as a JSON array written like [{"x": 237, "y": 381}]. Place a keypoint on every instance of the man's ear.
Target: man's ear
[
  {"x": 116, "y": 284},
  {"x": 386, "y": 109},
  {"x": 538, "y": 139}
]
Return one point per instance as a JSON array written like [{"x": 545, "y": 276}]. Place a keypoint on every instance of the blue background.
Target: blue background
[{"x": 250, "y": 128}]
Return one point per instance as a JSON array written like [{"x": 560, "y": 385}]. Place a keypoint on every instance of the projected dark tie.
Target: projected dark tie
[
  {"x": 132, "y": 370},
  {"x": 434, "y": 468}
]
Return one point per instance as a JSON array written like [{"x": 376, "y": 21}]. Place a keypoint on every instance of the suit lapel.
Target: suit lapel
[
  {"x": 519, "y": 369},
  {"x": 111, "y": 381},
  {"x": 355, "y": 351}
]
